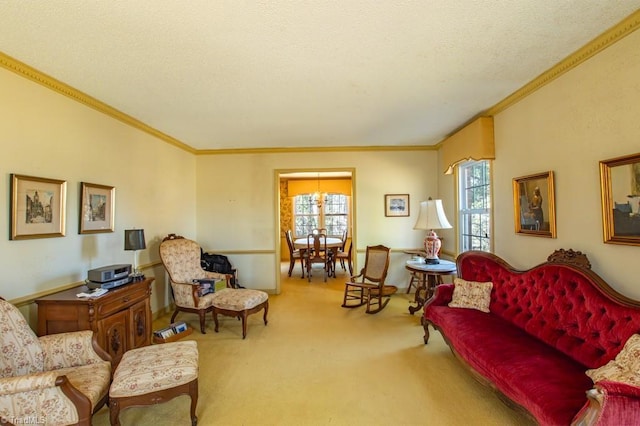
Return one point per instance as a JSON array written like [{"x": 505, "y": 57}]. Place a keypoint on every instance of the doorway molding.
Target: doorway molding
[{"x": 278, "y": 231}]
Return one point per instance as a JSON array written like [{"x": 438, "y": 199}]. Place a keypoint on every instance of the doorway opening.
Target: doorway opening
[{"x": 308, "y": 198}]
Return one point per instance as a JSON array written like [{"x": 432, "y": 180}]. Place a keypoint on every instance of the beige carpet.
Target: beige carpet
[{"x": 316, "y": 363}]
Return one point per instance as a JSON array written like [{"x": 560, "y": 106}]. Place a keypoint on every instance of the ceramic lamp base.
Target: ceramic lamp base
[{"x": 432, "y": 246}]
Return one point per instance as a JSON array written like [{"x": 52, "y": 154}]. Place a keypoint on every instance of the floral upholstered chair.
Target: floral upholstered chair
[
  {"x": 59, "y": 379},
  {"x": 181, "y": 259}
]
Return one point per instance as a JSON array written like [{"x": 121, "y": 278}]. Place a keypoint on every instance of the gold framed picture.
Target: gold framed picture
[
  {"x": 38, "y": 207},
  {"x": 534, "y": 205},
  {"x": 97, "y": 208},
  {"x": 396, "y": 205},
  {"x": 620, "y": 189}
]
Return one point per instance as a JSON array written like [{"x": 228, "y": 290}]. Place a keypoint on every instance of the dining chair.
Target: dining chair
[
  {"x": 294, "y": 254},
  {"x": 317, "y": 254},
  {"x": 369, "y": 286},
  {"x": 345, "y": 256}
]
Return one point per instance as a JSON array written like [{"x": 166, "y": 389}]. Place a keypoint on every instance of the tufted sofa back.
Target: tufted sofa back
[{"x": 566, "y": 306}]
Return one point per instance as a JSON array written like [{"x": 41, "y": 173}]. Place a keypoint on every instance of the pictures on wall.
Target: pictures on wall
[
  {"x": 97, "y": 208},
  {"x": 38, "y": 207},
  {"x": 620, "y": 190},
  {"x": 534, "y": 205},
  {"x": 396, "y": 205}
]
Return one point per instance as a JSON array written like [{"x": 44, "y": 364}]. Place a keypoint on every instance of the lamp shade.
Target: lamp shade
[
  {"x": 432, "y": 216},
  {"x": 134, "y": 239}
]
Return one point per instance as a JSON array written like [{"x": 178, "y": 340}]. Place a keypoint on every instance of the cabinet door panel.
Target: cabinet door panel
[
  {"x": 140, "y": 325},
  {"x": 113, "y": 331}
]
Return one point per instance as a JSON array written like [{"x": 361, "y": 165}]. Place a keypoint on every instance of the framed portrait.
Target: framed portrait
[
  {"x": 396, "y": 205},
  {"x": 38, "y": 207},
  {"x": 620, "y": 189},
  {"x": 534, "y": 205},
  {"x": 97, "y": 208}
]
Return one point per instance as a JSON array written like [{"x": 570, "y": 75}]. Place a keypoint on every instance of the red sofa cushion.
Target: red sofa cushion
[
  {"x": 559, "y": 305},
  {"x": 549, "y": 384}
]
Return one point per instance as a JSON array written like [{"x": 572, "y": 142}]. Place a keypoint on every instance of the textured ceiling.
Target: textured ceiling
[{"x": 234, "y": 74}]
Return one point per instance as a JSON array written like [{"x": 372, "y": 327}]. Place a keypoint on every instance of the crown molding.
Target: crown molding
[
  {"x": 49, "y": 82},
  {"x": 606, "y": 39},
  {"x": 595, "y": 46},
  {"x": 316, "y": 149}
]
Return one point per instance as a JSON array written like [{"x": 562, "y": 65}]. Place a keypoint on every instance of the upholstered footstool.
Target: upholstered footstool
[
  {"x": 239, "y": 303},
  {"x": 155, "y": 374}
]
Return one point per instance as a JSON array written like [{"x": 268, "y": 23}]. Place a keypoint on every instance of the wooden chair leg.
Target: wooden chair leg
[
  {"x": 202, "y": 313},
  {"x": 292, "y": 263},
  {"x": 244, "y": 324},
  {"x": 215, "y": 319},
  {"x": 266, "y": 310},
  {"x": 193, "y": 393}
]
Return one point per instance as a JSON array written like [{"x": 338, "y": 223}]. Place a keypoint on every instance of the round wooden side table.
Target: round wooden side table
[{"x": 429, "y": 275}]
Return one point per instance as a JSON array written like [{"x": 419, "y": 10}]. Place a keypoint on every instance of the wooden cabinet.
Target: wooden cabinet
[{"x": 121, "y": 317}]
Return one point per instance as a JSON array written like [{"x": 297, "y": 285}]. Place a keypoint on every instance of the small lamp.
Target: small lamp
[
  {"x": 432, "y": 217},
  {"x": 134, "y": 240}
]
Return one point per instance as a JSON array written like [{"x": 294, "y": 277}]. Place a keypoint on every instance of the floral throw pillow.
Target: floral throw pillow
[
  {"x": 471, "y": 295},
  {"x": 624, "y": 368}
]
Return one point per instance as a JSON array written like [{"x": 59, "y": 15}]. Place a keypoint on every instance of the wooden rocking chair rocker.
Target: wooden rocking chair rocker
[{"x": 368, "y": 287}]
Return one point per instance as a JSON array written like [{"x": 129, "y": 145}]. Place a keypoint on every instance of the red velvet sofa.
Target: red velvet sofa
[{"x": 546, "y": 327}]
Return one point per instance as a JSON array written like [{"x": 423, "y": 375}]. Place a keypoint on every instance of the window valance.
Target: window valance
[
  {"x": 303, "y": 186},
  {"x": 472, "y": 142}
]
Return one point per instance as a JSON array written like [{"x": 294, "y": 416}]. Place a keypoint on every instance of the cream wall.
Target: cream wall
[
  {"x": 587, "y": 115},
  {"x": 237, "y": 205},
  {"x": 49, "y": 135}
]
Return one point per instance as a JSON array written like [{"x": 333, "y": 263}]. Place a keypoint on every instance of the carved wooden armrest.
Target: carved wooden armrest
[
  {"x": 610, "y": 403},
  {"x": 33, "y": 395}
]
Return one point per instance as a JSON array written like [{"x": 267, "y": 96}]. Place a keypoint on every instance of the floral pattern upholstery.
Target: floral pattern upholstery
[
  {"x": 21, "y": 350},
  {"x": 238, "y": 299},
  {"x": 155, "y": 368},
  {"x": 181, "y": 259},
  {"x": 471, "y": 295},
  {"x": 30, "y": 367},
  {"x": 625, "y": 367},
  {"x": 69, "y": 350}
]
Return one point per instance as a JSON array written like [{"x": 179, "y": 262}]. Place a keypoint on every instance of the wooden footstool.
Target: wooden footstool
[
  {"x": 155, "y": 374},
  {"x": 239, "y": 303}
]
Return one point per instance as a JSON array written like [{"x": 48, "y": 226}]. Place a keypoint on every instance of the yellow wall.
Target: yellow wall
[
  {"x": 587, "y": 115},
  {"x": 238, "y": 204},
  {"x": 48, "y": 135}
]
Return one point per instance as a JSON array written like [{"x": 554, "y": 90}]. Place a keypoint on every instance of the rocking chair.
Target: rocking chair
[{"x": 368, "y": 287}]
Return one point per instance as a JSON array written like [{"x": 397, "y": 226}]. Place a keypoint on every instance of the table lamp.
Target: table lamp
[
  {"x": 134, "y": 240},
  {"x": 432, "y": 217}
]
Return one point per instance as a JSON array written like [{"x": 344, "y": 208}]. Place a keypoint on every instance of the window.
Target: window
[
  {"x": 333, "y": 213},
  {"x": 474, "y": 189}
]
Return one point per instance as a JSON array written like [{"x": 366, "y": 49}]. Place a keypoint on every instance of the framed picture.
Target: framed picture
[
  {"x": 534, "y": 205},
  {"x": 396, "y": 205},
  {"x": 97, "y": 208},
  {"x": 620, "y": 188},
  {"x": 37, "y": 207}
]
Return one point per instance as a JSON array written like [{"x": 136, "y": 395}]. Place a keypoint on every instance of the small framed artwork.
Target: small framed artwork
[
  {"x": 620, "y": 188},
  {"x": 97, "y": 208},
  {"x": 534, "y": 205},
  {"x": 38, "y": 207},
  {"x": 396, "y": 205}
]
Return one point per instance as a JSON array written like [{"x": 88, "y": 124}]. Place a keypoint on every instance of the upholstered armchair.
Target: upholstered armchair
[
  {"x": 59, "y": 379},
  {"x": 181, "y": 259}
]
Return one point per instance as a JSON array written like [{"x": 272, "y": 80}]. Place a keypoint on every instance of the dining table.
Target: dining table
[{"x": 332, "y": 243}]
